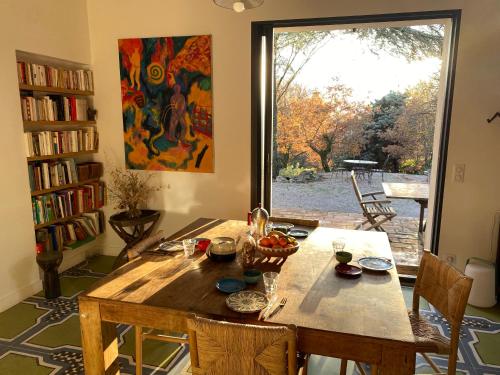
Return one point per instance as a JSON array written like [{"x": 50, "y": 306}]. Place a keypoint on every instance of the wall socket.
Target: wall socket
[
  {"x": 450, "y": 258},
  {"x": 459, "y": 173}
]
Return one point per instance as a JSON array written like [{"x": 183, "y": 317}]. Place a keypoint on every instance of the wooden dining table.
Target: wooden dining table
[{"x": 363, "y": 319}]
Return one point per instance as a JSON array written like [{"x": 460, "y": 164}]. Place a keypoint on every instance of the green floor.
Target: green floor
[{"x": 43, "y": 337}]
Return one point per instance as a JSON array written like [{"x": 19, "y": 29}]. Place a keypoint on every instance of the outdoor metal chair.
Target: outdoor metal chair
[
  {"x": 381, "y": 170},
  {"x": 376, "y": 211}
]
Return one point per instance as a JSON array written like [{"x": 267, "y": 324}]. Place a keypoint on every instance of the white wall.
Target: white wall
[
  {"x": 50, "y": 27},
  {"x": 468, "y": 207}
]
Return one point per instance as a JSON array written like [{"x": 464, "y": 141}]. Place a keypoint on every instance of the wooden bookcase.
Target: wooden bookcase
[{"x": 38, "y": 91}]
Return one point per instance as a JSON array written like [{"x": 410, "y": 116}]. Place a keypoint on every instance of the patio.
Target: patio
[{"x": 331, "y": 200}]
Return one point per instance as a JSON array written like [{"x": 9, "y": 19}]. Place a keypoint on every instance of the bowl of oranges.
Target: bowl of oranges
[{"x": 277, "y": 244}]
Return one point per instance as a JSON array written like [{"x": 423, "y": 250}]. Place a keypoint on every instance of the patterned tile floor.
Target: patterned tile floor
[{"x": 38, "y": 336}]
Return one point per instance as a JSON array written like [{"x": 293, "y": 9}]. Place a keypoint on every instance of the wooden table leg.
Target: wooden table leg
[
  {"x": 99, "y": 341},
  {"x": 397, "y": 361}
]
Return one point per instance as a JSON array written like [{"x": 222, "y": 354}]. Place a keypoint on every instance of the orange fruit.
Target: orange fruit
[
  {"x": 265, "y": 242},
  {"x": 274, "y": 239},
  {"x": 283, "y": 242}
]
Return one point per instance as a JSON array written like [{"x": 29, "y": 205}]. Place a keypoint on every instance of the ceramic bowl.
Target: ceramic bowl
[
  {"x": 222, "y": 249},
  {"x": 343, "y": 256},
  {"x": 252, "y": 276}
]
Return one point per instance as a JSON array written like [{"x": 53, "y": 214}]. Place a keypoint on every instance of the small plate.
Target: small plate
[
  {"x": 375, "y": 264},
  {"x": 171, "y": 246},
  {"x": 298, "y": 233},
  {"x": 247, "y": 301},
  {"x": 282, "y": 227},
  {"x": 348, "y": 270},
  {"x": 230, "y": 285}
]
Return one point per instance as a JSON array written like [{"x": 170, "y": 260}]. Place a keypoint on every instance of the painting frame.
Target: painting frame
[{"x": 167, "y": 103}]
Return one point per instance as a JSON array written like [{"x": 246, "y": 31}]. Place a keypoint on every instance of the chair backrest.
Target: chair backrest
[
  {"x": 357, "y": 192},
  {"x": 145, "y": 244},
  {"x": 443, "y": 286},
  {"x": 222, "y": 348},
  {"x": 356, "y": 187}
]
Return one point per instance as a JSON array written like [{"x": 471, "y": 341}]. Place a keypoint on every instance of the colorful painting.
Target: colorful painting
[{"x": 166, "y": 88}]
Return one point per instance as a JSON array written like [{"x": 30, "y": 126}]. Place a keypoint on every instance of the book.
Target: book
[{"x": 51, "y": 76}]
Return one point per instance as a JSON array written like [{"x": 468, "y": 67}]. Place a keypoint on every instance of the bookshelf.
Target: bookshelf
[
  {"x": 55, "y": 90},
  {"x": 62, "y": 187},
  {"x": 61, "y": 156},
  {"x": 55, "y": 123},
  {"x": 56, "y": 104}
]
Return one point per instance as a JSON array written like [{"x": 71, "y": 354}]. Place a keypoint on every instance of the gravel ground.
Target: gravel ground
[{"x": 334, "y": 193}]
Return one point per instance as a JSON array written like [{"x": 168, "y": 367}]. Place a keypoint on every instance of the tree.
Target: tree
[
  {"x": 385, "y": 112},
  {"x": 319, "y": 126},
  {"x": 293, "y": 50},
  {"x": 411, "y": 42},
  {"x": 411, "y": 139}
]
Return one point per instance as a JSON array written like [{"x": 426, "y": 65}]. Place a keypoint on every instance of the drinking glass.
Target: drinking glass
[
  {"x": 271, "y": 284},
  {"x": 188, "y": 246},
  {"x": 338, "y": 245}
]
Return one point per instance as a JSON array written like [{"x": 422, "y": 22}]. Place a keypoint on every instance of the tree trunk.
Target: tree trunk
[{"x": 324, "y": 161}]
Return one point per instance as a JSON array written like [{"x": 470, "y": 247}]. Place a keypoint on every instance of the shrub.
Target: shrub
[{"x": 294, "y": 170}]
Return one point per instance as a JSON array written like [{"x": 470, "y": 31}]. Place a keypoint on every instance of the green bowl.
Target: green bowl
[
  {"x": 343, "y": 256},
  {"x": 252, "y": 276}
]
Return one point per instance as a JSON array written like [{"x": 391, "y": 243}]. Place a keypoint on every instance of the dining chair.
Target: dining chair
[
  {"x": 223, "y": 348},
  {"x": 144, "y": 333},
  {"x": 447, "y": 289},
  {"x": 376, "y": 211}
]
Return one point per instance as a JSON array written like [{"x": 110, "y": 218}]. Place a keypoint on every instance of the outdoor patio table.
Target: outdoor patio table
[
  {"x": 362, "y": 319},
  {"x": 418, "y": 192},
  {"x": 360, "y": 163}
]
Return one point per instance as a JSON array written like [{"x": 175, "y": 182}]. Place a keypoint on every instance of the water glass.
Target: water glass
[
  {"x": 338, "y": 245},
  {"x": 271, "y": 284},
  {"x": 188, "y": 246}
]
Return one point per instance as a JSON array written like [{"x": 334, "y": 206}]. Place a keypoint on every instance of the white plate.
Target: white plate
[
  {"x": 171, "y": 246},
  {"x": 247, "y": 301},
  {"x": 375, "y": 264}
]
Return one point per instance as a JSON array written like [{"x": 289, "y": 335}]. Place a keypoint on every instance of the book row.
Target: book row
[
  {"x": 45, "y": 175},
  {"x": 50, "y": 174},
  {"x": 60, "y": 142},
  {"x": 45, "y": 75},
  {"x": 54, "y": 108},
  {"x": 66, "y": 203},
  {"x": 69, "y": 235}
]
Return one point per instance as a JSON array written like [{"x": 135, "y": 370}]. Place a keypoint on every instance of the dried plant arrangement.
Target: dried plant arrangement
[{"x": 129, "y": 190}]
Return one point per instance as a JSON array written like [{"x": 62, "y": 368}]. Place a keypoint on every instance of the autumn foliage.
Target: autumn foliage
[{"x": 321, "y": 129}]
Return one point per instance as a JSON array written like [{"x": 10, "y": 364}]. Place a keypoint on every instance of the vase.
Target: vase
[{"x": 133, "y": 212}]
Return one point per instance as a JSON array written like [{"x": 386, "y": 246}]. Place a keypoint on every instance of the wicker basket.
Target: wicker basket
[{"x": 277, "y": 253}]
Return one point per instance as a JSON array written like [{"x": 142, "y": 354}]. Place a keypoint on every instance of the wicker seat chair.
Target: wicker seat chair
[
  {"x": 376, "y": 211},
  {"x": 447, "y": 289},
  {"x": 143, "y": 333},
  {"x": 222, "y": 348}
]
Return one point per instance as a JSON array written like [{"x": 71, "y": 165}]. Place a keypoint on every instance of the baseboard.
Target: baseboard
[{"x": 10, "y": 299}]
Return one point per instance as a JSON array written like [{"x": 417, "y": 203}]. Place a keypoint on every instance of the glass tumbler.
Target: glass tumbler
[
  {"x": 188, "y": 246},
  {"x": 271, "y": 284}
]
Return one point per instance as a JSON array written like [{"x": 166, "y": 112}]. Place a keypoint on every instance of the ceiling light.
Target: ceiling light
[{"x": 239, "y": 5}]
